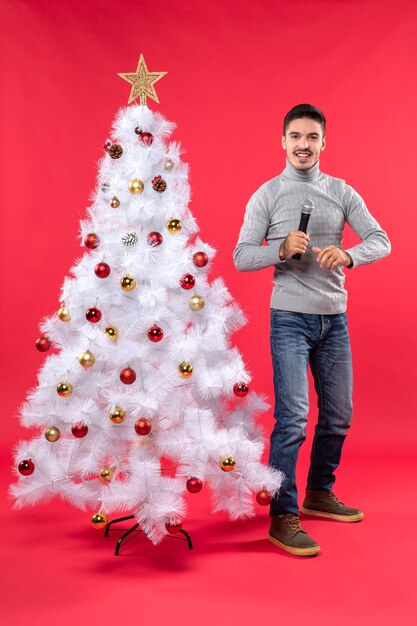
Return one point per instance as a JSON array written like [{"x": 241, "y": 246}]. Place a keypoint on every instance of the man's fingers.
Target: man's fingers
[
  {"x": 295, "y": 245},
  {"x": 324, "y": 253},
  {"x": 329, "y": 256},
  {"x": 296, "y": 250},
  {"x": 298, "y": 242},
  {"x": 320, "y": 252},
  {"x": 321, "y": 257},
  {"x": 299, "y": 235},
  {"x": 331, "y": 259}
]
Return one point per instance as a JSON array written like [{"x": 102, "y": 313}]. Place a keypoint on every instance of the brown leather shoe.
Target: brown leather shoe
[
  {"x": 326, "y": 504},
  {"x": 286, "y": 532}
]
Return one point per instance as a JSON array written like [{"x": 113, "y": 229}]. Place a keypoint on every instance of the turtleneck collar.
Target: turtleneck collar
[{"x": 304, "y": 176}]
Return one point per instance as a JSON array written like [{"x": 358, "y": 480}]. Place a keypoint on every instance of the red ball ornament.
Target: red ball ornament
[
  {"x": 43, "y": 344},
  {"x": 240, "y": 389},
  {"x": 93, "y": 315},
  {"x": 128, "y": 376},
  {"x": 187, "y": 281},
  {"x": 79, "y": 430},
  {"x": 194, "y": 485},
  {"x": 173, "y": 526},
  {"x": 155, "y": 334},
  {"x": 155, "y": 239},
  {"x": 91, "y": 241},
  {"x": 143, "y": 426},
  {"x": 146, "y": 138},
  {"x": 263, "y": 497},
  {"x": 26, "y": 467},
  {"x": 200, "y": 259},
  {"x": 107, "y": 144},
  {"x": 102, "y": 270}
]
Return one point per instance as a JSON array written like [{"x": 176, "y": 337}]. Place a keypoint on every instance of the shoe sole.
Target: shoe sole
[
  {"x": 340, "y": 518},
  {"x": 296, "y": 551}
]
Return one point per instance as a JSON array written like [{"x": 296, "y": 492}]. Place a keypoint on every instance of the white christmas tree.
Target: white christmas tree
[{"x": 144, "y": 397}]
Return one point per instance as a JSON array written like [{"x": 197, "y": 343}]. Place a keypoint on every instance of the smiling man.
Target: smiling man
[{"x": 308, "y": 317}]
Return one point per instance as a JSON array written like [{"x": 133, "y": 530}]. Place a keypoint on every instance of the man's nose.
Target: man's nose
[{"x": 303, "y": 142}]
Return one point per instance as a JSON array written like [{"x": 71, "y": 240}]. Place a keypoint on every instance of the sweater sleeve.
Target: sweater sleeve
[
  {"x": 250, "y": 254},
  {"x": 374, "y": 241}
]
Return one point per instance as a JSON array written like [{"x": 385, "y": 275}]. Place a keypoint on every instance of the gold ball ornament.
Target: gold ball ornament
[
  {"x": 174, "y": 225},
  {"x": 99, "y": 520},
  {"x": 128, "y": 283},
  {"x": 169, "y": 164},
  {"x": 87, "y": 359},
  {"x": 52, "y": 434},
  {"x": 228, "y": 464},
  {"x": 111, "y": 333},
  {"x": 185, "y": 369},
  {"x": 63, "y": 313},
  {"x": 117, "y": 415},
  {"x": 64, "y": 389},
  {"x": 136, "y": 186},
  {"x": 196, "y": 303},
  {"x": 115, "y": 202},
  {"x": 106, "y": 474}
]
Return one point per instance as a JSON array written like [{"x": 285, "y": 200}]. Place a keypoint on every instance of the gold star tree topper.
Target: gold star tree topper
[{"x": 142, "y": 82}]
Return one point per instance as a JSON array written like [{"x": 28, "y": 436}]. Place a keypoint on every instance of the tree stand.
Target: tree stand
[{"x": 121, "y": 539}]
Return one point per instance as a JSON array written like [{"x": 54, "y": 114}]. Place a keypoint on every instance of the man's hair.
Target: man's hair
[{"x": 305, "y": 110}]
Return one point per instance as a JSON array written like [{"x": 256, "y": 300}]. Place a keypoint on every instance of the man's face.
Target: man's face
[{"x": 303, "y": 142}]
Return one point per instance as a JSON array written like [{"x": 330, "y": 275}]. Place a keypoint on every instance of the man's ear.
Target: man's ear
[
  {"x": 283, "y": 142},
  {"x": 323, "y": 145}
]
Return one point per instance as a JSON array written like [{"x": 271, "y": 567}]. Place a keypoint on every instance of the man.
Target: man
[{"x": 308, "y": 318}]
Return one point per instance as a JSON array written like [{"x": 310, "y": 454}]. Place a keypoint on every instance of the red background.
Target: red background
[{"x": 234, "y": 69}]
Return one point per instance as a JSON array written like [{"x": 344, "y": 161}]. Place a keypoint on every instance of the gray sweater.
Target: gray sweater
[{"x": 274, "y": 210}]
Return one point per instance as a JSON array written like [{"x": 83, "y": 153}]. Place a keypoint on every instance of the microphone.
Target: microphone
[{"x": 307, "y": 207}]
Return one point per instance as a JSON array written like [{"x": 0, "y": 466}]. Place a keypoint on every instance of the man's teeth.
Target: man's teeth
[{"x": 302, "y": 153}]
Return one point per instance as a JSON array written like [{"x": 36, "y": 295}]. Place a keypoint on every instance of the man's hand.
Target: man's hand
[
  {"x": 295, "y": 242},
  {"x": 331, "y": 257}
]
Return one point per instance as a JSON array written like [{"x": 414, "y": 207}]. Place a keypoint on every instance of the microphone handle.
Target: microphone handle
[{"x": 303, "y": 227}]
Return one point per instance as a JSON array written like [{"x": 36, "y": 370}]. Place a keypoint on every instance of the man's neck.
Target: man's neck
[{"x": 305, "y": 176}]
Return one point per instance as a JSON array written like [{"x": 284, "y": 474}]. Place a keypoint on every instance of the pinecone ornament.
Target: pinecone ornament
[
  {"x": 130, "y": 239},
  {"x": 115, "y": 151},
  {"x": 159, "y": 184}
]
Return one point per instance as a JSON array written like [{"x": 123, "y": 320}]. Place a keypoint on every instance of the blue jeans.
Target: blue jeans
[{"x": 299, "y": 339}]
